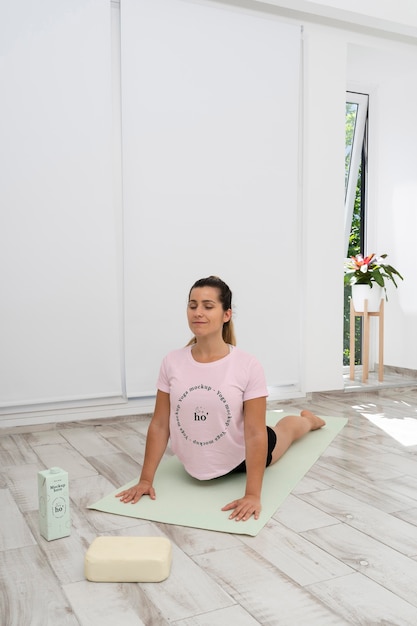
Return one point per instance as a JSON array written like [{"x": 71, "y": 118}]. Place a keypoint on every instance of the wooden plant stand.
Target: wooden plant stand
[{"x": 365, "y": 340}]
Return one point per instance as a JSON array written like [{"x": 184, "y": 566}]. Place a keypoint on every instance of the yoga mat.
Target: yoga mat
[{"x": 185, "y": 501}]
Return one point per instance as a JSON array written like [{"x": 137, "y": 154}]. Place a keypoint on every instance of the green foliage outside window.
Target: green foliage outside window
[
  {"x": 355, "y": 243},
  {"x": 354, "y": 249}
]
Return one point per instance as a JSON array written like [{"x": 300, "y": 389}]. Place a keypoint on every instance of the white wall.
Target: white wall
[
  {"x": 386, "y": 16},
  {"x": 210, "y": 158},
  {"x": 60, "y": 324},
  {"x": 395, "y": 204},
  {"x": 323, "y": 200},
  {"x": 333, "y": 59}
]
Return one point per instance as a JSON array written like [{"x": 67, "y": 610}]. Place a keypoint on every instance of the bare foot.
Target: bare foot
[{"x": 315, "y": 421}]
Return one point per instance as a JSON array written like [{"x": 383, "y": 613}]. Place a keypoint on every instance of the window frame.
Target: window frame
[{"x": 362, "y": 100}]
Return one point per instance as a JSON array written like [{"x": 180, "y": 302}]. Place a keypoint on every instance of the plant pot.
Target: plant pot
[{"x": 374, "y": 295}]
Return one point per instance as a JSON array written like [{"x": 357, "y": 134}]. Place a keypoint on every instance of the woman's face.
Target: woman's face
[{"x": 205, "y": 312}]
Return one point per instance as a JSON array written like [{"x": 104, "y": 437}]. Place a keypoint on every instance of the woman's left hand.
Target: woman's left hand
[{"x": 244, "y": 508}]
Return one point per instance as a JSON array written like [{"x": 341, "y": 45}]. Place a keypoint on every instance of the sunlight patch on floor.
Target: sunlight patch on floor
[{"x": 402, "y": 429}]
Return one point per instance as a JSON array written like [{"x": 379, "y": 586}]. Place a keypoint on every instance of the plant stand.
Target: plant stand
[{"x": 365, "y": 340}]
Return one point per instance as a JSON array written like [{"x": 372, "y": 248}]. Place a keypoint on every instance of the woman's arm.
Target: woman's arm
[
  {"x": 256, "y": 443},
  {"x": 156, "y": 443}
]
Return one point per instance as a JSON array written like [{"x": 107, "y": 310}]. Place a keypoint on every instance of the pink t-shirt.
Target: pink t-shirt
[{"x": 206, "y": 417}]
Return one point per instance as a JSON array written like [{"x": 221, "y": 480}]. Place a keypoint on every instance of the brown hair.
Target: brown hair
[{"x": 225, "y": 297}]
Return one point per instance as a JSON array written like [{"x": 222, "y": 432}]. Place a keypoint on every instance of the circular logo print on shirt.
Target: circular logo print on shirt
[{"x": 199, "y": 423}]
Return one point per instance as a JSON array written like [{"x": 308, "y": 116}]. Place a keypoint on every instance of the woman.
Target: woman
[{"x": 211, "y": 402}]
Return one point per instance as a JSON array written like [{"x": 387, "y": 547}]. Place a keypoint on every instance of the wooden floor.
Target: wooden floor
[{"x": 342, "y": 549}]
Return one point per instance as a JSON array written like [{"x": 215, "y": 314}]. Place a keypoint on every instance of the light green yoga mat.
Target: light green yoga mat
[{"x": 185, "y": 501}]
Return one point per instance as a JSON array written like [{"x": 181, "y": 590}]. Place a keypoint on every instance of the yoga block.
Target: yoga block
[{"x": 128, "y": 559}]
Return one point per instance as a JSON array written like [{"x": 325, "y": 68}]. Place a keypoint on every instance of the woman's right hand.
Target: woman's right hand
[{"x": 133, "y": 494}]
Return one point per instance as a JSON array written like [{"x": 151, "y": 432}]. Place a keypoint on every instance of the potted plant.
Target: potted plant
[{"x": 367, "y": 276}]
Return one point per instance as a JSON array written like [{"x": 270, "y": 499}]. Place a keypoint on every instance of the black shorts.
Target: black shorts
[{"x": 272, "y": 440}]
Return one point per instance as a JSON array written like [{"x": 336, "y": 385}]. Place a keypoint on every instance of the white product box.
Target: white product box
[{"x": 54, "y": 510}]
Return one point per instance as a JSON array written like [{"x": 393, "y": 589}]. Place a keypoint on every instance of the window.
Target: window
[
  {"x": 356, "y": 124},
  {"x": 355, "y": 153}
]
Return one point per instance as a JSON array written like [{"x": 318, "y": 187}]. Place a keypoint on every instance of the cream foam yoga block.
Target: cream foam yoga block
[{"x": 128, "y": 559}]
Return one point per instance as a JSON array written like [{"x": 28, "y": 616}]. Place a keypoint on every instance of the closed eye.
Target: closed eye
[{"x": 207, "y": 304}]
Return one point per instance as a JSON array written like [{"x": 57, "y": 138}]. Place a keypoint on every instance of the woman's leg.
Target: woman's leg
[{"x": 291, "y": 428}]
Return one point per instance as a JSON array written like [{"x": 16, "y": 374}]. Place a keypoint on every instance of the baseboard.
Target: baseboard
[
  {"x": 403, "y": 371},
  {"x": 62, "y": 414}
]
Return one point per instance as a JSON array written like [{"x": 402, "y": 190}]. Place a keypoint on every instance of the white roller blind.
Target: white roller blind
[
  {"x": 210, "y": 106},
  {"x": 59, "y": 315}
]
